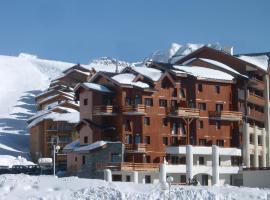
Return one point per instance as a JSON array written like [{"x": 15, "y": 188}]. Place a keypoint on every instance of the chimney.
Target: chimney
[{"x": 228, "y": 49}]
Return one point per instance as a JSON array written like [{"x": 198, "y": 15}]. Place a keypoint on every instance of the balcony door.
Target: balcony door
[
  {"x": 138, "y": 100},
  {"x": 219, "y": 107}
]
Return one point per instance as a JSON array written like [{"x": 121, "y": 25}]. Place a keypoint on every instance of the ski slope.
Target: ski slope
[
  {"x": 21, "y": 79},
  {"x": 48, "y": 187}
]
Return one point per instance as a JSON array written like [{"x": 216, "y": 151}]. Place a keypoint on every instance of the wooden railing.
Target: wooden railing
[
  {"x": 255, "y": 83},
  {"x": 128, "y": 166},
  {"x": 186, "y": 112},
  {"x": 139, "y": 108},
  {"x": 227, "y": 115},
  {"x": 137, "y": 147},
  {"x": 104, "y": 109},
  {"x": 256, "y": 99}
]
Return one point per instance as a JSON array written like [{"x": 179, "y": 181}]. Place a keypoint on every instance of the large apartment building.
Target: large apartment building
[{"x": 191, "y": 113}]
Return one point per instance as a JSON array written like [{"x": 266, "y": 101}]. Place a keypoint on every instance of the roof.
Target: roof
[
  {"x": 128, "y": 78},
  {"x": 260, "y": 61},
  {"x": 71, "y": 146},
  {"x": 72, "y": 117},
  {"x": 204, "y": 73},
  {"x": 97, "y": 87},
  {"x": 151, "y": 73}
]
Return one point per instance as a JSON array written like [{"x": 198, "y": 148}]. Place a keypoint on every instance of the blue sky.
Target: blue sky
[{"x": 80, "y": 30}]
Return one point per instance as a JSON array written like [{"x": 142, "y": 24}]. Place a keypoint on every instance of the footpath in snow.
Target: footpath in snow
[{"x": 22, "y": 187}]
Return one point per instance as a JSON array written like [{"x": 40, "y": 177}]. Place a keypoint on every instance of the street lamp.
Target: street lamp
[
  {"x": 56, "y": 148},
  {"x": 169, "y": 181}
]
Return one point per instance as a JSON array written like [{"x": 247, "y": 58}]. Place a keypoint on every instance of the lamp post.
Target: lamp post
[
  {"x": 56, "y": 148},
  {"x": 169, "y": 181}
]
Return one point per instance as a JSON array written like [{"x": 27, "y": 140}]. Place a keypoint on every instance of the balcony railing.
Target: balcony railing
[
  {"x": 105, "y": 110},
  {"x": 136, "y": 148},
  {"x": 128, "y": 166},
  {"x": 134, "y": 109},
  {"x": 255, "y": 83},
  {"x": 227, "y": 115},
  {"x": 256, "y": 115},
  {"x": 185, "y": 112},
  {"x": 255, "y": 99}
]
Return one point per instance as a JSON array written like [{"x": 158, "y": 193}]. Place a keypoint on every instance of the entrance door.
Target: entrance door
[{"x": 204, "y": 179}]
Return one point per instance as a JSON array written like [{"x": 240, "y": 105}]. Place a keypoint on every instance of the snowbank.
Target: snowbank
[
  {"x": 9, "y": 161},
  {"x": 48, "y": 187}
]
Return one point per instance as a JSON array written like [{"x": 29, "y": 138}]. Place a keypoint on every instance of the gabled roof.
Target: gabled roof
[
  {"x": 225, "y": 58},
  {"x": 78, "y": 67},
  {"x": 91, "y": 124},
  {"x": 93, "y": 86}
]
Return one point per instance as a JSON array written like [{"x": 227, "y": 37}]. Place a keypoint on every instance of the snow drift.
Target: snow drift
[{"x": 48, "y": 187}]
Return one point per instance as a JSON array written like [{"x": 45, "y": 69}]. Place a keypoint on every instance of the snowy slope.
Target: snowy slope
[
  {"x": 48, "y": 187},
  {"x": 21, "y": 78}
]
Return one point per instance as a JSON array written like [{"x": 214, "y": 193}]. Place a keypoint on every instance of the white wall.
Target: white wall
[{"x": 256, "y": 178}]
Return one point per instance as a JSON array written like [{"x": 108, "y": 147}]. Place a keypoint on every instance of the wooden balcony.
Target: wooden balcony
[
  {"x": 185, "y": 113},
  {"x": 251, "y": 97},
  {"x": 139, "y": 148},
  {"x": 255, "y": 83},
  {"x": 256, "y": 115},
  {"x": 255, "y": 99},
  {"x": 105, "y": 110},
  {"x": 138, "y": 109},
  {"x": 226, "y": 115},
  {"x": 128, "y": 166}
]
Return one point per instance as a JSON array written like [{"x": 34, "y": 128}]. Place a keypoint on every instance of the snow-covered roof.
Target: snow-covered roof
[
  {"x": 73, "y": 117},
  {"x": 221, "y": 65},
  {"x": 97, "y": 87},
  {"x": 127, "y": 78},
  {"x": 259, "y": 61},
  {"x": 90, "y": 146},
  {"x": 151, "y": 73},
  {"x": 71, "y": 146},
  {"x": 54, "y": 96},
  {"x": 204, "y": 73}
]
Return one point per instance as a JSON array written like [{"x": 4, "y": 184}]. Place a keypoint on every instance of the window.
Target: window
[
  {"x": 174, "y": 160},
  {"x": 182, "y": 93},
  {"x": 128, "y": 100},
  {"x": 128, "y": 179},
  {"x": 137, "y": 139},
  {"x": 174, "y": 93},
  {"x": 183, "y": 179},
  {"x": 191, "y": 105},
  {"x": 147, "y": 179},
  {"x": 76, "y": 158},
  {"x": 138, "y": 99},
  {"x": 162, "y": 103},
  {"x": 219, "y": 107},
  {"x": 147, "y": 121},
  {"x": 259, "y": 140},
  {"x": 147, "y": 139},
  {"x": 165, "y": 140},
  {"x": 201, "y": 160},
  {"x": 174, "y": 141},
  {"x": 127, "y": 125},
  {"x": 202, "y": 142},
  {"x": 217, "y": 89},
  {"x": 165, "y": 121},
  {"x": 83, "y": 160},
  {"x": 202, "y": 106},
  {"x": 128, "y": 139},
  {"x": 220, "y": 143},
  {"x": 200, "y": 87},
  {"x": 148, "y": 101},
  {"x": 174, "y": 104},
  {"x": 218, "y": 125},
  {"x": 115, "y": 157},
  {"x": 85, "y": 139},
  {"x": 200, "y": 124},
  {"x": 250, "y": 139},
  {"x": 85, "y": 102},
  {"x": 174, "y": 128}
]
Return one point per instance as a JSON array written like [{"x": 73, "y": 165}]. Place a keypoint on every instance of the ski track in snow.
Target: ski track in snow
[{"x": 72, "y": 188}]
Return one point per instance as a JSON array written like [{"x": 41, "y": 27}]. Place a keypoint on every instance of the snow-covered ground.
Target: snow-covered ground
[{"x": 48, "y": 187}]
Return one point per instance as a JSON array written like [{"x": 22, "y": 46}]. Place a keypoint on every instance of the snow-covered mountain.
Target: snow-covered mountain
[
  {"x": 21, "y": 78},
  {"x": 176, "y": 51}
]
